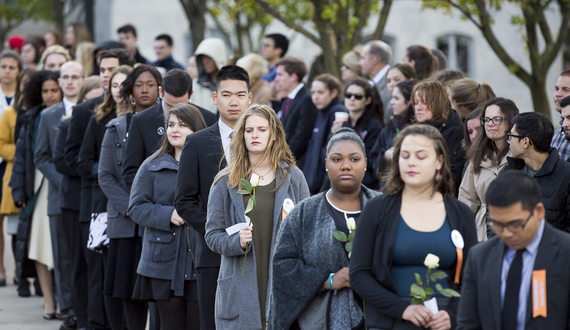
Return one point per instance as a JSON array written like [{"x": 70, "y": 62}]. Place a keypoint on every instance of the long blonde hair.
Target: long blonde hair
[{"x": 240, "y": 166}]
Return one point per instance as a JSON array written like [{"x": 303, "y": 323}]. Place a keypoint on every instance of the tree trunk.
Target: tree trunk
[
  {"x": 197, "y": 28},
  {"x": 58, "y": 15},
  {"x": 540, "y": 99}
]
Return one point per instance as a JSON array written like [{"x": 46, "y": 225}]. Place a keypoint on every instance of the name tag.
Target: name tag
[{"x": 539, "y": 293}]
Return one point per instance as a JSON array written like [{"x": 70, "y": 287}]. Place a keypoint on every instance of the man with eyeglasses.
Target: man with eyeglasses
[
  {"x": 519, "y": 279},
  {"x": 531, "y": 153},
  {"x": 70, "y": 80},
  {"x": 273, "y": 47},
  {"x": 561, "y": 139}
]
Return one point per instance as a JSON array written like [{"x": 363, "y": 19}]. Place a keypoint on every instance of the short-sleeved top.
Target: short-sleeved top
[{"x": 410, "y": 250}]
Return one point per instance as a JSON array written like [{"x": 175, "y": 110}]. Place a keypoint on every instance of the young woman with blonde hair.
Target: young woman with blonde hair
[{"x": 258, "y": 147}]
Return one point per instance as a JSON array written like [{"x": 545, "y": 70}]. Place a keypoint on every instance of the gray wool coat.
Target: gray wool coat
[
  {"x": 164, "y": 252},
  {"x": 237, "y": 300},
  {"x": 305, "y": 254}
]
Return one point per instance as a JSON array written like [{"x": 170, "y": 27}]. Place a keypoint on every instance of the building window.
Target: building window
[{"x": 458, "y": 50}]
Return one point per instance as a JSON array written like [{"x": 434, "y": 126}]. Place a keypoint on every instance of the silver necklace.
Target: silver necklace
[{"x": 262, "y": 177}]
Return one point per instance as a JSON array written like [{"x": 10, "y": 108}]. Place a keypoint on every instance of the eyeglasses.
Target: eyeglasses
[
  {"x": 266, "y": 46},
  {"x": 356, "y": 96},
  {"x": 344, "y": 66},
  {"x": 515, "y": 226},
  {"x": 496, "y": 120},
  {"x": 511, "y": 136},
  {"x": 74, "y": 77}
]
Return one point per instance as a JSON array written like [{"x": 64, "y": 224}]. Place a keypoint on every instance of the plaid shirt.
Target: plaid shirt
[{"x": 561, "y": 144}]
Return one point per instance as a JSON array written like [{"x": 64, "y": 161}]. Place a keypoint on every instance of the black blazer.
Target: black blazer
[
  {"x": 70, "y": 186},
  {"x": 77, "y": 127},
  {"x": 201, "y": 159},
  {"x": 145, "y": 132},
  {"x": 480, "y": 303},
  {"x": 88, "y": 162},
  {"x": 299, "y": 123},
  {"x": 373, "y": 250}
]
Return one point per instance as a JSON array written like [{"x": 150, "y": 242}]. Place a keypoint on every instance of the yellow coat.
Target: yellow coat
[{"x": 7, "y": 151}]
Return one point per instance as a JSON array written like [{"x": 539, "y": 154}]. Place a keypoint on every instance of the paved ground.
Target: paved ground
[{"x": 18, "y": 313}]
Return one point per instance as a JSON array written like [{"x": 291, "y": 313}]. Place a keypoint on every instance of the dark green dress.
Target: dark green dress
[{"x": 262, "y": 219}]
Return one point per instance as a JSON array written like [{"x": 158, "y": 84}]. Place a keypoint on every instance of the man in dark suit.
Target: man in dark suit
[
  {"x": 374, "y": 61},
  {"x": 70, "y": 80},
  {"x": 205, "y": 153},
  {"x": 519, "y": 279},
  {"x": 147, "y": 127},
  {"x": 298, "y": 113},
  {"x": 97, "y": 319}
]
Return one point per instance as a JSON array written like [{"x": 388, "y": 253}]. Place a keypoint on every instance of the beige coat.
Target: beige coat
[{"x": 472, "y": 192}]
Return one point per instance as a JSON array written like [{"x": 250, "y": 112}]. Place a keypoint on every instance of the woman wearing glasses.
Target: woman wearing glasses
[
  {"x": 365, "y": 115},
  {"x": 417, "y": 215},
  {"x": 487, "y": 157},
  {"x": 432, "y": 107}
]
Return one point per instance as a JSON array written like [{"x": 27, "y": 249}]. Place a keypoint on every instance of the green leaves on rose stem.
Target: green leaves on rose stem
[
  {"x": 348, "y": 247},
  {"x": 438, "y": 275},
  {"x": 351, "y": 236},
  {"x": 418, "y": 292},
  {"x": 418, "y": 279},
  {"x": 249, "y": 205},
  {"x": 246, "y": 185},
  {"x": 243, "y": 192},
  {"x": 339, "y": 235}
]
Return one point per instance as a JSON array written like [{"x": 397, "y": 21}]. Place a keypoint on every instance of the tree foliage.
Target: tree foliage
[
  {"x": 239, "y": 18},
  {"x": 533, "y": 25},
  {"x": 338, "y": 23},
  {"x": 15, "y": 12}
]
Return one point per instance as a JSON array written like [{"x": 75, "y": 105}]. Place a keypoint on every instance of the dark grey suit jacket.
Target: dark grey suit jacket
[
  {"x": 43, "y": 154},
  {"x": 480, "y": 302},
  {"x": 386, "y": 98}
]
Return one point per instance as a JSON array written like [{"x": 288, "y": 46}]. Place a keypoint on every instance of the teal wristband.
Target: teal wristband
[{"x": 330, "y": 282}]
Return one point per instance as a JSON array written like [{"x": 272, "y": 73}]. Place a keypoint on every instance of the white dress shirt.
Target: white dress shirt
[
  {"x": 68, "y": 107},
  {"x": 225, "y": 132}
]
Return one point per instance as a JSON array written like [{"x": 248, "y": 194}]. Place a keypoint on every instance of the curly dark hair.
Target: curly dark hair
[
  {"x": 129, "y": 83},
  {"x": 33, "y": 89}
]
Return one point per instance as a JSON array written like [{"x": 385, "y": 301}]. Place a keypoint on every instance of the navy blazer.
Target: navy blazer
[
  {"x": 480, "y": 303},
  {"x": 201, "y": 159}
]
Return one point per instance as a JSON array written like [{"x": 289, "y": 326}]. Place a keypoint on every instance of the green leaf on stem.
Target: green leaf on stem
[
  {"x": 437, "y": 275},
  {"x": 439, "y": 287},
  {"x": 418, "y": 291},
  {"x": 450, "y": 293},
  {"x": 351, "y": 237},
  {"x": 416, "y": 301},
  {"x": 246, "y": 185},
  {"x": 339, "y": 235},
  {"x": 254, "y": 198},
  {"x": 249, "y": 206},
  {"x": 243, "y": 192},
  {"x": 429, "y": 291},
  {"x": 418, "y": 279},
  {"x": 348, "y": 247}
]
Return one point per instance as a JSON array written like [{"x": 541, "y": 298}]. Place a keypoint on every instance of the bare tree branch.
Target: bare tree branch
[
  {"x": 382, "y": 20},
  {"x": 288, "y": 22}
]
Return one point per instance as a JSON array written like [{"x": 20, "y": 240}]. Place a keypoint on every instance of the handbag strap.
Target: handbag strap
[{"x": 32, "y": 203}]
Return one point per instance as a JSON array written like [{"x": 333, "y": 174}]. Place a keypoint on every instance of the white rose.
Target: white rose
[
  {"x": 254, "y": 180},
  {"x": 432, "y": 261},
  {"x": 351, "y": 224}
]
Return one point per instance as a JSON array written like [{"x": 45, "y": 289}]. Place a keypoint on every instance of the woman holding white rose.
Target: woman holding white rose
[
  {"x": 416, "y": 216},
  {"x": 309, "y": 264},
  {"x": 261, "y": 156}
]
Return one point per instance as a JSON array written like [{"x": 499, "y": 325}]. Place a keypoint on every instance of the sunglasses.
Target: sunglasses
[{"x": 356, "y": 96}]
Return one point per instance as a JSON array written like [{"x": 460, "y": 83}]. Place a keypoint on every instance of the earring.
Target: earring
[
  {"x": 438, "y": 177},
  {"x": 326, "y": 169},
  {"x": 133, "y": 101}
]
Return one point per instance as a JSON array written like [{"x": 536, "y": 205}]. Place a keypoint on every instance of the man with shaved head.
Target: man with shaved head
[{"x": 70, "y": 80}]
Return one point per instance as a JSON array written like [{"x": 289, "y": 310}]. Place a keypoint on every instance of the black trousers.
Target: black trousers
[
  {"x": 79, "y": 284},
  {"x": 207, "y": 279},
  {"x": 96, "y": 317}
]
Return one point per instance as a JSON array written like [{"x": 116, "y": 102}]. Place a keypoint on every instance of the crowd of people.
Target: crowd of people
[{"x": 249, "y": 193}]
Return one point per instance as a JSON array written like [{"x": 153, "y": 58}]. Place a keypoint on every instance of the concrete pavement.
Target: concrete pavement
[{"x": 17, "y": 313}]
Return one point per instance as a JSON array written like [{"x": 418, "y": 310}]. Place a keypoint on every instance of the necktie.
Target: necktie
[
  {"x": 511, "y": 300},
  {"x": 287, "y": 105},
  {"x": 230, "y": 146}
]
